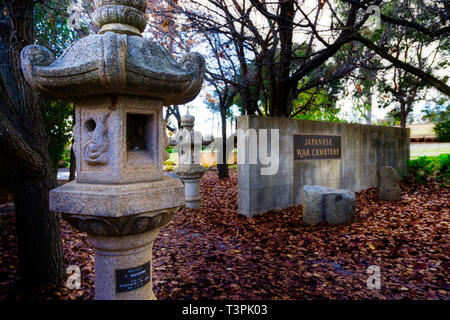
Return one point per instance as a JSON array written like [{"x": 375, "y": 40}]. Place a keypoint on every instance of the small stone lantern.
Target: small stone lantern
[
  {"x": 119, "y": 82},
  {"x": 189, "y": 144}
]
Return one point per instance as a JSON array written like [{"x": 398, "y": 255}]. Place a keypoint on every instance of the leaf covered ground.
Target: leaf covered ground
[{"x": 214, "y": 253}]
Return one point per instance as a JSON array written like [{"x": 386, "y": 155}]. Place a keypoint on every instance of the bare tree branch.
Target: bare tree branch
[{"x": 438, "y": 84}]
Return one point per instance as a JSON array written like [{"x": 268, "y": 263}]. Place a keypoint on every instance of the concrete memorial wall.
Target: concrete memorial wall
[{"x": 331, "y": 154}]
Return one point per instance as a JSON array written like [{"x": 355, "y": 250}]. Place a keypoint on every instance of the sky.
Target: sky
[{"x": 206, "y": 122}]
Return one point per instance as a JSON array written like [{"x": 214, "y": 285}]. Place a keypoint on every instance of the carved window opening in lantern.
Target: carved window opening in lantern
[
  {"x": 141, "y": 141},
  {"x": 90, "y": 125}
]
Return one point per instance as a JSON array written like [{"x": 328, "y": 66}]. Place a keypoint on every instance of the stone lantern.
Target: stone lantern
[
  {"x": 119, "y": 82},
  {"x": 189, "y": 144}
]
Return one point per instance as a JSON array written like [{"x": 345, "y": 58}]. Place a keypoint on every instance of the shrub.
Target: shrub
[
  {"x": 169, "y": 167},
  {"x": 171, "y": 149},
  {"x": 424, "y": 168},
  {"x": 64, "y": 162},
  {"x": 442, "y": 130},
  {"x": 444, "y": 168},
  {"x": 58, "y": 122},
  {"x": 169, "y": 163},
  {"x": 421, "y": 168}
]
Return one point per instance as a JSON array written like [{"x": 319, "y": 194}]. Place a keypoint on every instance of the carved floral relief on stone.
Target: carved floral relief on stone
[{"x": 95, "y": 150}]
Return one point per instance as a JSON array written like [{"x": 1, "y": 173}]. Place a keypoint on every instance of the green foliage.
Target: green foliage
[
  {"x": 442, "y": 130},
  {"x": 317, "y": 103},
  {"x": 317, "y": 113},
  {"x": 50, "y": 26},
  {"x": 393, "y": 117},
  {"x": 51, "y": 31},
  {"x": 169, "y": 163},
  {"x": 66, "y": 156},
  {"x": 170, "y": 149},
  {"x": 444, "y": 168},
  {"x": 438, "y": 113},
  {"x": 384, "y": 123},
  {"x": 421, "y": 168},
  {"x": 58, "y": 124},
  {"x": 424, "y": 168}
]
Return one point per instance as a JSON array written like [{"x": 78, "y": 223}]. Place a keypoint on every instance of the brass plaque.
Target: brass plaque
[{"x": 316, "y": 147}]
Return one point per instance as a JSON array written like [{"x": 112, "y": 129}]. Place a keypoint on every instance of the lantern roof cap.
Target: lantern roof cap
[
  {"x": 116, "y": 60},
  {"x": 187, "y": 120}
]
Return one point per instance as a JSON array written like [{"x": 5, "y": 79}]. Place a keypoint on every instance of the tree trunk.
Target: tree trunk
[
  {"x": 223, "y": 168},
  {"x": 281, "y": 101},
  {"x": 403, "y": 121},
  {"x": 24, "y": 151},
  {"x": 73, "y": 164},
  {"x": 176, "y": 113},
  {"x": 285, "y": 28},
  {"x": 39, "y": 236},
  {"x": 403, "y": 115}
]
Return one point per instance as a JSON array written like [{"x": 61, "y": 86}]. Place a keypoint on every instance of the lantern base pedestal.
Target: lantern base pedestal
[
  {"x": 192, "y": 193},
  {"x": 191, "y": 175},
  {"x": 123, "y": 266},
  {"x": 121, "y": 221}
]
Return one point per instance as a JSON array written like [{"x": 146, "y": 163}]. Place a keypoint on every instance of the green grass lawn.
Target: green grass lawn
[{"x": 428, "y": 149}]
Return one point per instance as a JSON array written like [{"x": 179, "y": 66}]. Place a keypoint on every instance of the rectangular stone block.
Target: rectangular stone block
[
  {"x": 322, "y": 204},
  {"x": 116, "y": 201}
]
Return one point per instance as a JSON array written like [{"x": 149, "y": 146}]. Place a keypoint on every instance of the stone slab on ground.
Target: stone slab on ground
[{"x": 323, "y": 204}]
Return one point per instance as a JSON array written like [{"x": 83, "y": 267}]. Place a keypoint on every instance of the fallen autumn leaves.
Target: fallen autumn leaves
[{"x": 214, "y": 253}]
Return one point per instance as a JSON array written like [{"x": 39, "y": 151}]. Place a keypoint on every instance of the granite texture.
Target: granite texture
[
  {"x": 120, "y": 16},
  {"x": 115, "y": 201},
  {"x": 122, "y": 226},
  {"x": 189, "y": 143},
  {"x": 173, "y": 175},
  {"x": 116, "y": 253},
  {"x": 322, "y": 204},
  {"x": 114, "y": 63},
  {"x": 389, "y": 184},
  {"x": 119, "y": 139},
  {"x": 192, "y": 193},
  {"x": 190, "y": 171}
]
